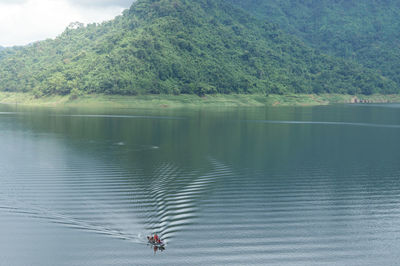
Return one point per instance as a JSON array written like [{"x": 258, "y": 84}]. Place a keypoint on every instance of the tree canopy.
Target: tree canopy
[
  {"x": 182, "y": 46},
  {"x": 363, "y": 31}
]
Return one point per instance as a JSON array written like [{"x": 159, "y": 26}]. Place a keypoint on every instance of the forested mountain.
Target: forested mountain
[
  {"x": 181, "y": 46},
  {"x": 365, "y": 31}
]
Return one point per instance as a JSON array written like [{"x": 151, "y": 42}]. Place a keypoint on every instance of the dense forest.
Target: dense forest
[
  {"x": 363, "y": 31},
  {"x": 185, "y": 46}
]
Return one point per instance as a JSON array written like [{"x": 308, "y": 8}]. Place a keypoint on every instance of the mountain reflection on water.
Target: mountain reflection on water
[{"x": 254, "y": 186}]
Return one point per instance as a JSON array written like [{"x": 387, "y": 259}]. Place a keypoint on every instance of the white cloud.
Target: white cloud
[{"x": 25, "y": 21}]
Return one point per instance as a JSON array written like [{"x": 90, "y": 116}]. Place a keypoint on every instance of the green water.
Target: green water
[{"x": 250, "y": 186}]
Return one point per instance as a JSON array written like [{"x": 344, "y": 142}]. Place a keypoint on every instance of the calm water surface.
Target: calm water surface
[{"x": 256, "y": 186}]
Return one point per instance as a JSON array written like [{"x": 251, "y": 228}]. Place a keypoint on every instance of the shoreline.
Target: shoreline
[{"x": 182, "y": 101}]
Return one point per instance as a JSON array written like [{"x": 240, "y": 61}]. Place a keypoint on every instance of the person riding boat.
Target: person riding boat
[{"x": 155, "y": 240}]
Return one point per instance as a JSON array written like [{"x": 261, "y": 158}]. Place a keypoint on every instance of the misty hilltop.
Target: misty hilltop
[{"x": 182, "y": 46}]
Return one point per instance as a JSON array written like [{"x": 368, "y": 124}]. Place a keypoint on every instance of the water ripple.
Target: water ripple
[{"x": 278, "y": 122}]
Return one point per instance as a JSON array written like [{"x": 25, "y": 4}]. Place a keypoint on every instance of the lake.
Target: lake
[{"x": 224, "y": 186}]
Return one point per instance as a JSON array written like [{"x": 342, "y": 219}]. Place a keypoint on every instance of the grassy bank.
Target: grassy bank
[{"x": 179, "y": 101}]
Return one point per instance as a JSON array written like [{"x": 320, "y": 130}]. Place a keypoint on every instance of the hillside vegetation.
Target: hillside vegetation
[
  {"x": 181, "y": 46},
  {"x": 364, "y": 31}
]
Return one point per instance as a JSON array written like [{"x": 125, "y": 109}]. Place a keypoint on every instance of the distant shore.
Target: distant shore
[{"x": 181, "y": 101}]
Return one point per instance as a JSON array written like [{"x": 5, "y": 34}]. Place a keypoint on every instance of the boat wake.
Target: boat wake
[
  {"x": 127, "y": 209},
  {"x": 178, "y": 196},
  {"x": 18, "y": 207}
]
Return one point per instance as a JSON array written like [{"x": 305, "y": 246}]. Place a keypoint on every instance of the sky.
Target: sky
[{"x": 26, "y": 21}]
